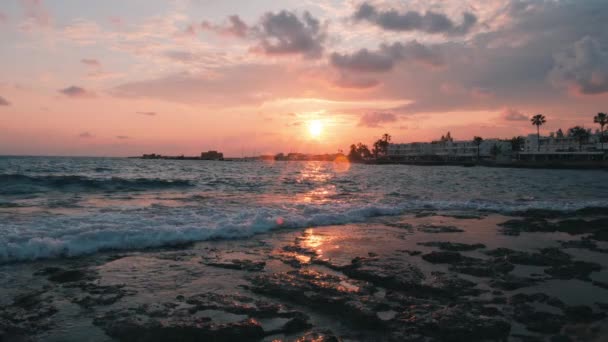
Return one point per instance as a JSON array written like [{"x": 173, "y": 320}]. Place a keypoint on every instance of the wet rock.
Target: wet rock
[
  {"x": 236, "y": 264},
  {"x": 319, "y": 336},
  {"x": 595, "y": 227},
  {"x": 386, "y": 272},
  {"x": 409, "y": 252},
  {"x": 468, "y": 265},
  {"x": 600, "y": 284},
  {"x": 29, "y": 313},
  {"x": 460, "y": 322},
  {"x": 329, "y": 293},
  {"x": 582, "y": 313},
  {"x": 585, "y": 243},
  {"x": 443, "y": 257},
  {"x": 435, "y": 229},
  {"x": 577, "y": 269},
  {"x": 60, "y": 275},
  {"x": 516, "y": 226},
  {"x": 510, "y": 282},
  {"x": 523, "y": 298},
  {"x": 398, "y": 274},
  {"x": 203, "y": 317},
  {"x": 143, "y": 329},
  {"x": 539, "y": 321},
  {"x": 453, "y": 246},
  {"x": 545, "y": 257},
  {"x": 96, "y": 295}
]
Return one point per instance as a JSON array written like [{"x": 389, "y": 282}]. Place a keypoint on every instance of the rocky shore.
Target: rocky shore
[{"x": 427, "y": 276}]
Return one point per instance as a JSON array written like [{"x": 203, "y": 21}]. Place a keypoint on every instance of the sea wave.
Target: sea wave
[
  {"x": 18, "y": 184},
  {"x": 67, "y": 236}
]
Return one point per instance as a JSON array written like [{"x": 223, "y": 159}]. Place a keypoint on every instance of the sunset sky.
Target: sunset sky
[{"x": 126, "y": 77}]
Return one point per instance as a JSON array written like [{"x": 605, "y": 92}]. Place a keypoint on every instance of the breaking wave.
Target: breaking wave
[{"x": 157, "y": 226}]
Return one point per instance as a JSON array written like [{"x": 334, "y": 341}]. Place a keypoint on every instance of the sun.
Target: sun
[{"x": 315, "y": 128}]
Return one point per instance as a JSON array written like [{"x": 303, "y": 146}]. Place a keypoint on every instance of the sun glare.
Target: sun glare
[{"x": 315, "y": 128}]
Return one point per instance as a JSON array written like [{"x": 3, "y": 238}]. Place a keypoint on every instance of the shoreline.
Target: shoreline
[{"x": 351, "y": 282}]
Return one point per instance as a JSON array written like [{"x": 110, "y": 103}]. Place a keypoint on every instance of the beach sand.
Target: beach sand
[{"x": 424, "y": 276}]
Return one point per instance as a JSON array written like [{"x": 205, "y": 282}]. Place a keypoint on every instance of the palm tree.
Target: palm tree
[
  {"x": 538, "y": 120},
  {"x": 580, "y": 134},
  {"x": 602, "y": 120},
  {"x": 386, "y": 137},
  {"x": 477, "y": 141}
]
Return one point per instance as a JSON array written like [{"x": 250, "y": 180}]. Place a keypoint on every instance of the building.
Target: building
[
  {"x": 564, "y": 143},
  {"x": 562, "y": 148},
  {"x": 212, "y": 155},
  {"x": 464, "y": 150}
]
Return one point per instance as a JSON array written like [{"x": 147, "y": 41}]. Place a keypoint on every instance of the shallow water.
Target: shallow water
[{"x": 52, "y": 207}]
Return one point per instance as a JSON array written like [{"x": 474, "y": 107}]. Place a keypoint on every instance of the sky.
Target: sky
[{"x": 127, "y": 77}]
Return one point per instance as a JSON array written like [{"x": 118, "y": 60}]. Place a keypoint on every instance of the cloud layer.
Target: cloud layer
[{"x": 428, "y": 22}]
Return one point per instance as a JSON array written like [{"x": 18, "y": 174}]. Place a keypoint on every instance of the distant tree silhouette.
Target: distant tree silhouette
[
  {"x": 538, "y": 120},
  {"x": 381, "y": 145},
  {"x": 580, "y": 134},
  {"x": 358, "y": 152},
  {"x": 517, "y": 143},
  {"x": 602, "y": 120},
  {"x": 477, "y": 141}
]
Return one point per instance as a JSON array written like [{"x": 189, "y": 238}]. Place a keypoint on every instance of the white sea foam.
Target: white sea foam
[{"x": 58, "y": 236}]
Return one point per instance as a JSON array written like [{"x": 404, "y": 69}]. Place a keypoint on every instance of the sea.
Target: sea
[{"x": 53, "y": 207}]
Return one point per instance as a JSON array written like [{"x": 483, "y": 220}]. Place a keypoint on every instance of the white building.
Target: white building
[
  {"x": 450, "y": 150},
  {"x": 565, "y": 143}
]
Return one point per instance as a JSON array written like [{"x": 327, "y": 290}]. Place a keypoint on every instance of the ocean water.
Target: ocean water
[{"x": 55, "y": 207}]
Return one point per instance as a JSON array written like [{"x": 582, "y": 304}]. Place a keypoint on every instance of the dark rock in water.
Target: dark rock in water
[
  {"x": 598, "y": 228},
  {"x": 577, "y": 269},
  {"x": 60, "y": 275},
  {"x": 585, "y": 243},
  {"x": 409, "y": 252},
  {"x": 433, "y": 229},
  {"x": 510, "y": 282},
  {"x": 144, "y": 329},
  {"x": 582, "y": 313},
  {"x": 296, "y": 324},
  {"x": 97, "y": 295},
  {"x": 462, "y": 323},
  {"x": 388, "y": 272},
  {"x": 516, "y": 226},
  {"x": 195, "y": 320},
  {"x": 539, "y": 321},
  {"x": 527, "y": 338},
  {"x": 29, "y": 313},
  {"x": 236, "y": 264},
  {"x": 443, "y": 257},
  {"x": 546, "y": 257},
  {"x": 453, "y": 246},
  {"x": 600, "y": 284},
  {"x": 522, "y": 298},
  {"x": 561, "y": 264},
  {"x": 319, "y": 336},
  {"x": 407, "y": 317},
  {"x": 560, "y": 338},
  {"x": 338, "y": 295},
  {"x": 468, "y": 265},
  {"x": 398, "y": 274}
]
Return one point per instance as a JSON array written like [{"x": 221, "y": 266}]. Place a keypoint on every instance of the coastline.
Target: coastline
[{"x": 430, "y": 274}]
